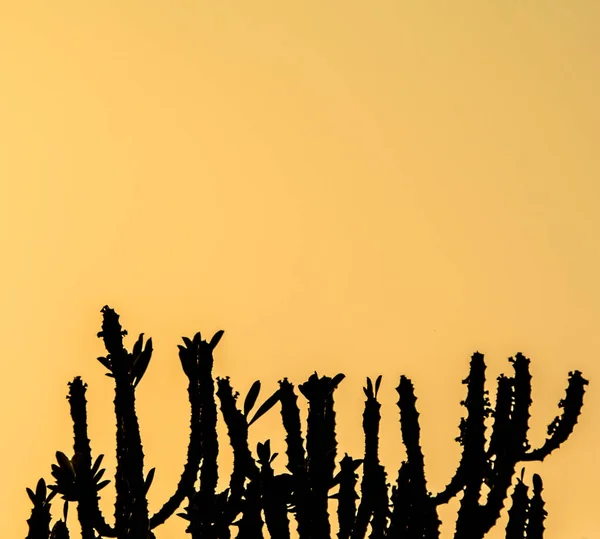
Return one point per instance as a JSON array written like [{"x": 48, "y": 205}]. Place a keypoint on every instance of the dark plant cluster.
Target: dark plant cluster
[{"x": 258, "y": 500}]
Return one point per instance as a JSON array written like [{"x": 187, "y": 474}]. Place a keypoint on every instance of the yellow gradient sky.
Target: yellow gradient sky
[{"x": 358, "y": 187}]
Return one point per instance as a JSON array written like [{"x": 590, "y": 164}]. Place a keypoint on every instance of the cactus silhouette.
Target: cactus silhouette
[{"x": 259, "y": 501}]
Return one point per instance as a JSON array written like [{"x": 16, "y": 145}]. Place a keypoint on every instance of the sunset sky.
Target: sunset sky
[{"x": 366, "y": 187}]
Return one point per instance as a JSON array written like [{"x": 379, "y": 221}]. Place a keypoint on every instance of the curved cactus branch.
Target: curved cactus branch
[{"x": 562, "y": 426}]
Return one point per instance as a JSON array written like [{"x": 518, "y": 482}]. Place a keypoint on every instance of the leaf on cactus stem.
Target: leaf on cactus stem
[
  {"x": 65, "y": 510},
  {"x": 188, "y": 342},
  {"x": 251, "y": 397},
  {"x": 65, "y": 463},
  {"x": 104, "y": 362},
  {"x": 369, "y": 388},
  {"x": 216, "y": 338},
  {"x": 40, "y": 490},
  {"x": 262, "y": 450},
  {"x": 377, "y": 384},
  {"x": 366, "y": 392},
  {"x": 96, "y": 465},
  {"x": 137, "y": 347},
  {"x": 140, "y": 363},
  {"x": 267, "y": 405},
  {"x": 273, "y": 457},
  {"x": 102, "y": 484},
  {"x": 31, "y": 496},
  {"x": 149, "y": 479}
]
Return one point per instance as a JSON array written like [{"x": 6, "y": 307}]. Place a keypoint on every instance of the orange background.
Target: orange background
[{"x": 358, "y": 187}]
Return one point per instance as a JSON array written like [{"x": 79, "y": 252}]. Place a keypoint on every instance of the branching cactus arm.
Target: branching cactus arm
[
  {"x": 381, "y": 512},
  {"x": 321, "y": 448},
  {"x": 192, "y": 356},
  {"x": 521, "y": 404},
  {"x": 369, "y": 484},
  {"x": 423, "y": 520},
  {"x": 296, "y": 456},
  {"x": 511, "y": 446},
  {"x": 88, "y": 475},
  {"x": 472, "y": 434},
  {"x": 501, "y": 452},
  {"x": 562, "y": 426},
  {"x": 509, "y": 438},
  {"x": 131, "y": 508},
  {"x": 208, "y": 429},
  {"x": 208, "y": 417}
]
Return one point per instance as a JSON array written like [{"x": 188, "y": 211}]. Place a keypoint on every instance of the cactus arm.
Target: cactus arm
[
  {"x": 88, "y": 509},
  {"x": 131, "y": 461},
  {"x": 368, "y": 488},
  {"x": 131, "y": 508},
  {"x": 296, "y": 456},
  {"x": 290, "y": 415},
  {"x": 244, "y": 465},
  {"x": 469, "y": 523},
  {"x": 381, "y": 512},
  {"x": 330, "y": 441},
  {"x": 424, "y": 520},
  {"x": 509, "y": 437},
  {"x": 188, "y": 356},
  {"x": 503, "y": 447},
  {"x": 562, "y": 426},
  {"x": 472, "y": 432},
  {"x": 208, "y": 426},
  {"x": 522, "y": 402},
  {"x": 321, "y": 447}
]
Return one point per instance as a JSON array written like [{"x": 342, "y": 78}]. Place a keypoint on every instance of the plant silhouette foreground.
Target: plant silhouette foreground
[{"x": 257, "y": 496}]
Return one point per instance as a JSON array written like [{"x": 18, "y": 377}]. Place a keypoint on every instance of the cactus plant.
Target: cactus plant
[{"x": 258, "y": 500}]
